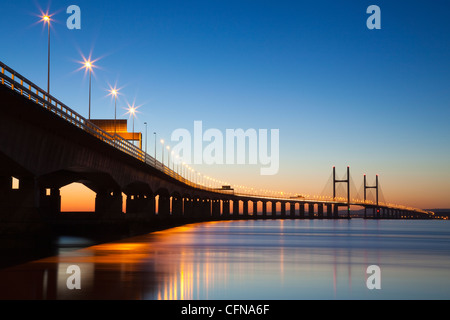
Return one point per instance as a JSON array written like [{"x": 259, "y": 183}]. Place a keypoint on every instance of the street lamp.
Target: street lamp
[
  {"x": 162, "y": 156},
  {"x": 168, "y": 156},
  {"x": 173, "y": 162},
  {"x": 132, "y": 112},
  {"x": 89, "y": 65},
  {"x": 46, "y": 18},
  {"x": 154, "y": 133},
  {"x": 178, "y": 163},
  {"x": 145, "y": 155},
  {"x": 115, "y": 92}
]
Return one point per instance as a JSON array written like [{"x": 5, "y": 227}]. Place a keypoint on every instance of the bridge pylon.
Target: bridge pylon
[
  {"x": 377, "y": 209},
  {"x": 347, "y": 181}
]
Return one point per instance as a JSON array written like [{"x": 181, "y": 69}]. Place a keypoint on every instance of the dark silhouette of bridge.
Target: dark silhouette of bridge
[{"x": 46, "y": 145}]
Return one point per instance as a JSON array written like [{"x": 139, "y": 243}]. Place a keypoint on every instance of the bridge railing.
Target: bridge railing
[{"x": 20, "y": 84}]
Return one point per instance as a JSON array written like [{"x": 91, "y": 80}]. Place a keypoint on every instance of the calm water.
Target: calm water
[{"x": 300, "y": 259}]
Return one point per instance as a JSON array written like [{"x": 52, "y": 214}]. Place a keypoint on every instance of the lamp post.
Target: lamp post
[
  {"x": 132, "y": 111},
  {"x": 173, "y": 162},
  {"x": 178, "y": 164},
  {"x": 145, "y": 152},
  {"x": 162, "y": 148},
  {"x": 154, "y": 133},
  {"x": 46, "y": 19},
  {"x": 114, "y": 92},
  {"x": 88, "y": 65},
  {"x": 168, "y": 156}
]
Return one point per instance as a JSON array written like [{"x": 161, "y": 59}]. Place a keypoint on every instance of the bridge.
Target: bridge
[{"x": 46, "y": 145}]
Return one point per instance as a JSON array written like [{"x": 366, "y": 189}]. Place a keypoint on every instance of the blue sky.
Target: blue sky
[{"x": 340, "y": 94}]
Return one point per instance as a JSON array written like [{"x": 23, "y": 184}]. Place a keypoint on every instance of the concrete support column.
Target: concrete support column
[
  {"x": 236, "y": 209},
  {"x": 245, "y": 208},
  {"x": 130, "y": 204},
  {"x": 264, "y": 209},
  {"x": 329, "y": 211},
  {"x": 107, "y": 203},
  {"x": 141, "y": 205},
  {"x": 164, "y": 206},
  {"x": 283, "y": 210},
  {"x": 302, "y": 211},
  {"x": 311, "y": 210},
  {"x": 150, "y": 207},
  {"x": 188, "y": 207},
  {"x": 255, "y": 209},
  {"x": 216, "y": 208},
  {"x": 206, "y": 208},
  {"x": 336, "y": 212},
  {"x": 226, "y": 208},
  {"x": 50, "y": 202},
  {"x": 320, "y": 210},
  {"x": 177, "y": 206},
  {"x": 274, "y": 210},
  {"x": 292, "y": 210},
  {"x": 196, "y": 207}
]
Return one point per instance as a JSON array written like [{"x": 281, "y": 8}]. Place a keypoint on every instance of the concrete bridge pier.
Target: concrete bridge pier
[
  {"x": 320, "y": 210},
  {"x": 302, "y": 211},
  {"x": 19, "y": 207},
  {"x": 389, "y": 213},
  {"x": 187, "y": 207},
  {"x": 205, "y": 209},
  {"x": 329, "y": 211},
  {"x": 255, "y": 209},
  {"x": 108, "y": 204},
  {"x": 264, "y": 209},
  {"x": 196, "y": 207},
  {"x": 141, "y": 206},
  {"x": 235, "y": 209},
  {"x": 274, "y": 210},
  {"x": 226, "y": 208},
  {"x": 50, "y": 202},
  {"x": 245, "y": 209},
  {"x": 393, "y": 214},
  {"x": 311, "y": 210},
  {"x": 177, "y": 206},
  {"x": 336, "y": 211},
  {"x": 292, "y": 210},
  {"x": 283, "y": 210},
  {"x": 216, "y": 208},
  {"x": 163, "y": 206}
]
